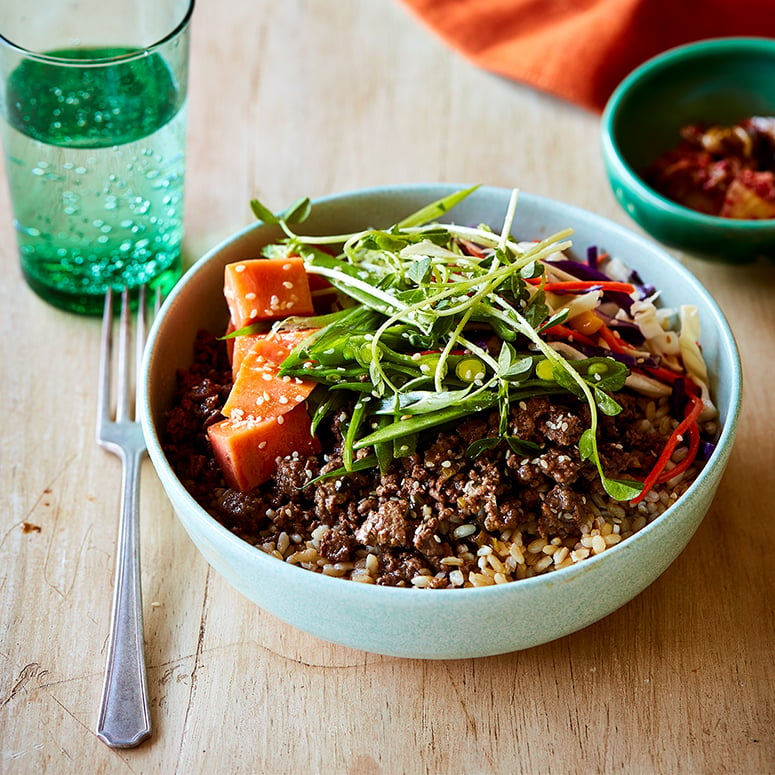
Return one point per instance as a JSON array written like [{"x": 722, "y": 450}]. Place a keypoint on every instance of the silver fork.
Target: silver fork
[{"x": 124, "y": 719}]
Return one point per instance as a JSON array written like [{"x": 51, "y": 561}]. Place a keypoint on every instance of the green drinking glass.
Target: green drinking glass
[{"x": 93, "y": 125}]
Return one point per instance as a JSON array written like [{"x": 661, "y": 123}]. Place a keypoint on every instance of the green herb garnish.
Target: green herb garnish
[{"x": 437, "y": 322}]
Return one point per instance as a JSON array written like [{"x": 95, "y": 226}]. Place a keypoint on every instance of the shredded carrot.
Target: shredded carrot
[
  {"x": 473, "y": 249},
  {"x": 613, "y": 340},
  {"x": 658, "y": 473}
]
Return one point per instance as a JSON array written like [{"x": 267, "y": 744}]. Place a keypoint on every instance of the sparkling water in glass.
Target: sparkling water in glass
[{"x": 94, "y": 132}]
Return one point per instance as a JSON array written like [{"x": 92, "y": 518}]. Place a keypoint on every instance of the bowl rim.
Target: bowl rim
[
  {"x": 717, "y": 460},
  {"x": 656, "y": 65}
]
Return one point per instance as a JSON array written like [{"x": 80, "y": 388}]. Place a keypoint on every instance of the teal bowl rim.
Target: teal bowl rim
[
  {"x": 627, "y": 176},
  {"x": 413, "y": 597}
]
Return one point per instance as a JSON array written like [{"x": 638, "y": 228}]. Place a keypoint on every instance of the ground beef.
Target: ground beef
[{"x": 437, "y": 517}]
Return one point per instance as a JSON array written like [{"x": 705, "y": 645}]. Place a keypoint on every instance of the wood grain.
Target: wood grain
[{"x": 306, "y": 97}]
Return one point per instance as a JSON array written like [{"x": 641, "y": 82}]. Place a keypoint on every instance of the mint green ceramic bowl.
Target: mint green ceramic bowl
[
  {"x": 717, "y": 81},
  {"x": 439, "y": 624}
]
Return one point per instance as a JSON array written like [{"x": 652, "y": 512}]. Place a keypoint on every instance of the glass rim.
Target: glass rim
[{"x": 99, "y": 61}]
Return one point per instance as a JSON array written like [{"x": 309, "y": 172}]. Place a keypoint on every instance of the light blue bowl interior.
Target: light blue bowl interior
[{"x": 439, "y": 624}]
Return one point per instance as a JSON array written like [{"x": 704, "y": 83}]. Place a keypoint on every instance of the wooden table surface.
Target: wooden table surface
[{"x": 308, "y": 97}]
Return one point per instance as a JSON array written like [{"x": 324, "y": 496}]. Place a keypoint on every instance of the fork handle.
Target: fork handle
[{"x": 124, "y": 720}]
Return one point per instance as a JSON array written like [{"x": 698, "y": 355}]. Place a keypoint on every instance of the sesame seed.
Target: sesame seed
[
  {"x": 280, "y": 420},
  {"x": 250, "y": 296},
  {"x": 283, "y": 399},
  {"x": 261, "y": 444},
  {"x": 287, "y": 284},
  {"x": 240, "y": 268}
]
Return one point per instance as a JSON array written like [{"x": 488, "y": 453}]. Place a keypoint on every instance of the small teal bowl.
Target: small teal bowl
[
  {"x": 718, "y": 81},
  {"x": 455, "y": 623}
]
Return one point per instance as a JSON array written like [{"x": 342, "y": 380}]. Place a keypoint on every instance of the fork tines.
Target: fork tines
[{"x": 126, "y": 372}]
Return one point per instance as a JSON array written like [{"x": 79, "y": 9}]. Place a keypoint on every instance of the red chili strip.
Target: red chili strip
[
  {"x": 564, "y": 332},
  {"x": 694, "y": 445},
  {"x": 585, "y": 285},
  {"x": 661, "y": 373},
  {"x": 688, "y": 424}
]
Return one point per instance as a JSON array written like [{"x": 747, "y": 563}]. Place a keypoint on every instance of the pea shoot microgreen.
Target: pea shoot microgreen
[{"x": 437, "y": 321}]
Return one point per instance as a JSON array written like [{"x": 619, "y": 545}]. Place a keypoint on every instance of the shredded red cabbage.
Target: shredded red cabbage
[
  {"x": 705, "y": 450},
  {"x": 678, "y": 398}
]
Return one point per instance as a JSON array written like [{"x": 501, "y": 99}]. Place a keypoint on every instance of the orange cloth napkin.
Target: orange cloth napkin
[{"x": 581, "y": 49}]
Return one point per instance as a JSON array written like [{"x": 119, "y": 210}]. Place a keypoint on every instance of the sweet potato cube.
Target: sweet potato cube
[
  {"x": 274, "y": 347},
  {"x": 266, "y": 289},
  {"x": 247, "y": 450},
  {"x": 259, "y": 391},
  {"x": 241, "y": 346}
]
